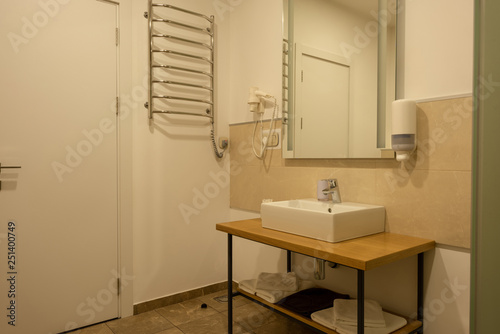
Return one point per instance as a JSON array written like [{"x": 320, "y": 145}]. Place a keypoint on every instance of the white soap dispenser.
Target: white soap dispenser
[{"x": 404, "y": 128}]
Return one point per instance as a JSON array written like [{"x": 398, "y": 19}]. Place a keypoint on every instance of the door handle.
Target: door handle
[{"x": 7, "y": 167}]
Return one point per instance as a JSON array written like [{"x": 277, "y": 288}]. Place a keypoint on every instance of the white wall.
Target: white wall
[
  {"x": 255, "y": 42},
  {"x": 180, "y": 189},
  {"x": 255, "y": 60},
  {"x": 438, "y": 63},
  {"x": 251, "y": 258},
  {"x": 439, "y": 48}
]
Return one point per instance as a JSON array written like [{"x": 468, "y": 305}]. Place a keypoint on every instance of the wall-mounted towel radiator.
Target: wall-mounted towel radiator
[
  {"x": 285, "y": 71},
  {"x": 181, "y": 64}
]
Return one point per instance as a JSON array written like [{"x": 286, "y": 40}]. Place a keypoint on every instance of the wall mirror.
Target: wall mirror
[{"x": 339, "y": 77}]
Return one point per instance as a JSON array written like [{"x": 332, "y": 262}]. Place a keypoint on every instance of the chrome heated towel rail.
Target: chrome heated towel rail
[
  {"x": 181, "y": 63},
  {"x": 285, "y": 71}
]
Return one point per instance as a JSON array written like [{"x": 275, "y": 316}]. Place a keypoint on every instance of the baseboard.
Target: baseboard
[{"x": 180, "y": 297}]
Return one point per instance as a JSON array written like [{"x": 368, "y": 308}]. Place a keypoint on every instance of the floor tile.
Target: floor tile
[
  {"x": 285, "y": 325},
  {"x": 174, "y": 330},
  {"x": 186, "y": 311},
  {"x": 189, "y": 317},
  {"x": 96, "y": 329},
  {"x": 252, "y": 316},
  {"x": 222, "y": 306},
  {"x": 144, "y": 323},
  {"x": 215, "y": 324}
]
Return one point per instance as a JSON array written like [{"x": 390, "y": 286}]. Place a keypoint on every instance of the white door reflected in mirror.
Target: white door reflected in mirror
[{"x": 322, "y": 99}]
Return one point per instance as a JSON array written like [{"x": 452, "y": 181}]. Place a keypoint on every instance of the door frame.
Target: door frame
[
  {"x": 124, "y": 142},
  {"x": 124, "y": 168}
]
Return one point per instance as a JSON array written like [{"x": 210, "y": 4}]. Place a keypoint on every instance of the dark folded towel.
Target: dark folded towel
[{"x": 308, "y": 301}]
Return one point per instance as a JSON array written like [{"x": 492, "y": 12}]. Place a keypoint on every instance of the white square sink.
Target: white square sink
[{"x": 327, "y": 221}]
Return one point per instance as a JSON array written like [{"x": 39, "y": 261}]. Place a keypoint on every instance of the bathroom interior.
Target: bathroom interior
[{"x": 170, "y": 189}]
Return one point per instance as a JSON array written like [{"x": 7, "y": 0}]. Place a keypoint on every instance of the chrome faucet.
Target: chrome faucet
[{"x": 332, "y": 190}]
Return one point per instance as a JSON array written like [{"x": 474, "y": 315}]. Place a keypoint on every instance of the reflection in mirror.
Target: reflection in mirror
[{"x": 339, "y": 61}]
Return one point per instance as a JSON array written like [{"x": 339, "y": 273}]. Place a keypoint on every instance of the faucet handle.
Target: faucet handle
[
  {"x": 332, "y": 184},
  {"x": 329, "y": 188},
  {"x": 329, "y": 185},
  {"x": 326, "y": 187}
]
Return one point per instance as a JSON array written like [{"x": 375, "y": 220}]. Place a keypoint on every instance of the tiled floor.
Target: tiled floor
[{"x": 190, "y": 318}]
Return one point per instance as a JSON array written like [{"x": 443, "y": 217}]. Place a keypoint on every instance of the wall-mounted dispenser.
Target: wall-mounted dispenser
[
  {"x": 257, "y": 104},
  {"x": 404, "y": 128}
]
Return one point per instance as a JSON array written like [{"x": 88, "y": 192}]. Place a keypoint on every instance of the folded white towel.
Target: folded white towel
[
  {"x": 393, "y": 323},
  {"x": 277, "y": 281},
  {"x": 325, "y": 318},
  {"x": 345, "y": 311},
  {"x": 274, "y": 296},
  {"x": 248, "y": 285}
]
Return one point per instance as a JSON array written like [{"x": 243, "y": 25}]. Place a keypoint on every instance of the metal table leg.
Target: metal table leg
[
  {"x": 230, "y": 283},
  {"x": 361, "y": 301},
  {"x": 420, "y": 290},
  {"x": 288, "y": 261}
]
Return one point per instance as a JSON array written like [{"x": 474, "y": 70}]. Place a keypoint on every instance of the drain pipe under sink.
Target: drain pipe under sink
[{"x": 319, "y": 269}]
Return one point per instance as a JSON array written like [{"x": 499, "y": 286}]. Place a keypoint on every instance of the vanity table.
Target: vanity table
[{"x": 361, "y": 254}]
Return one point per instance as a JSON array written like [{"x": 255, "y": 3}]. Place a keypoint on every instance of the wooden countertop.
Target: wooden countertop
[{"x": 363, "y": 253}]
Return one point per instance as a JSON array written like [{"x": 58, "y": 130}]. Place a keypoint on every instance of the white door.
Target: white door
[
  {"x": 58, "y": 213},
  {"x": 322, "y": 104}
]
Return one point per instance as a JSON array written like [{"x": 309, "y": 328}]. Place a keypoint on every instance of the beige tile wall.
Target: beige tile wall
[{"x": 430, "y": 197}]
